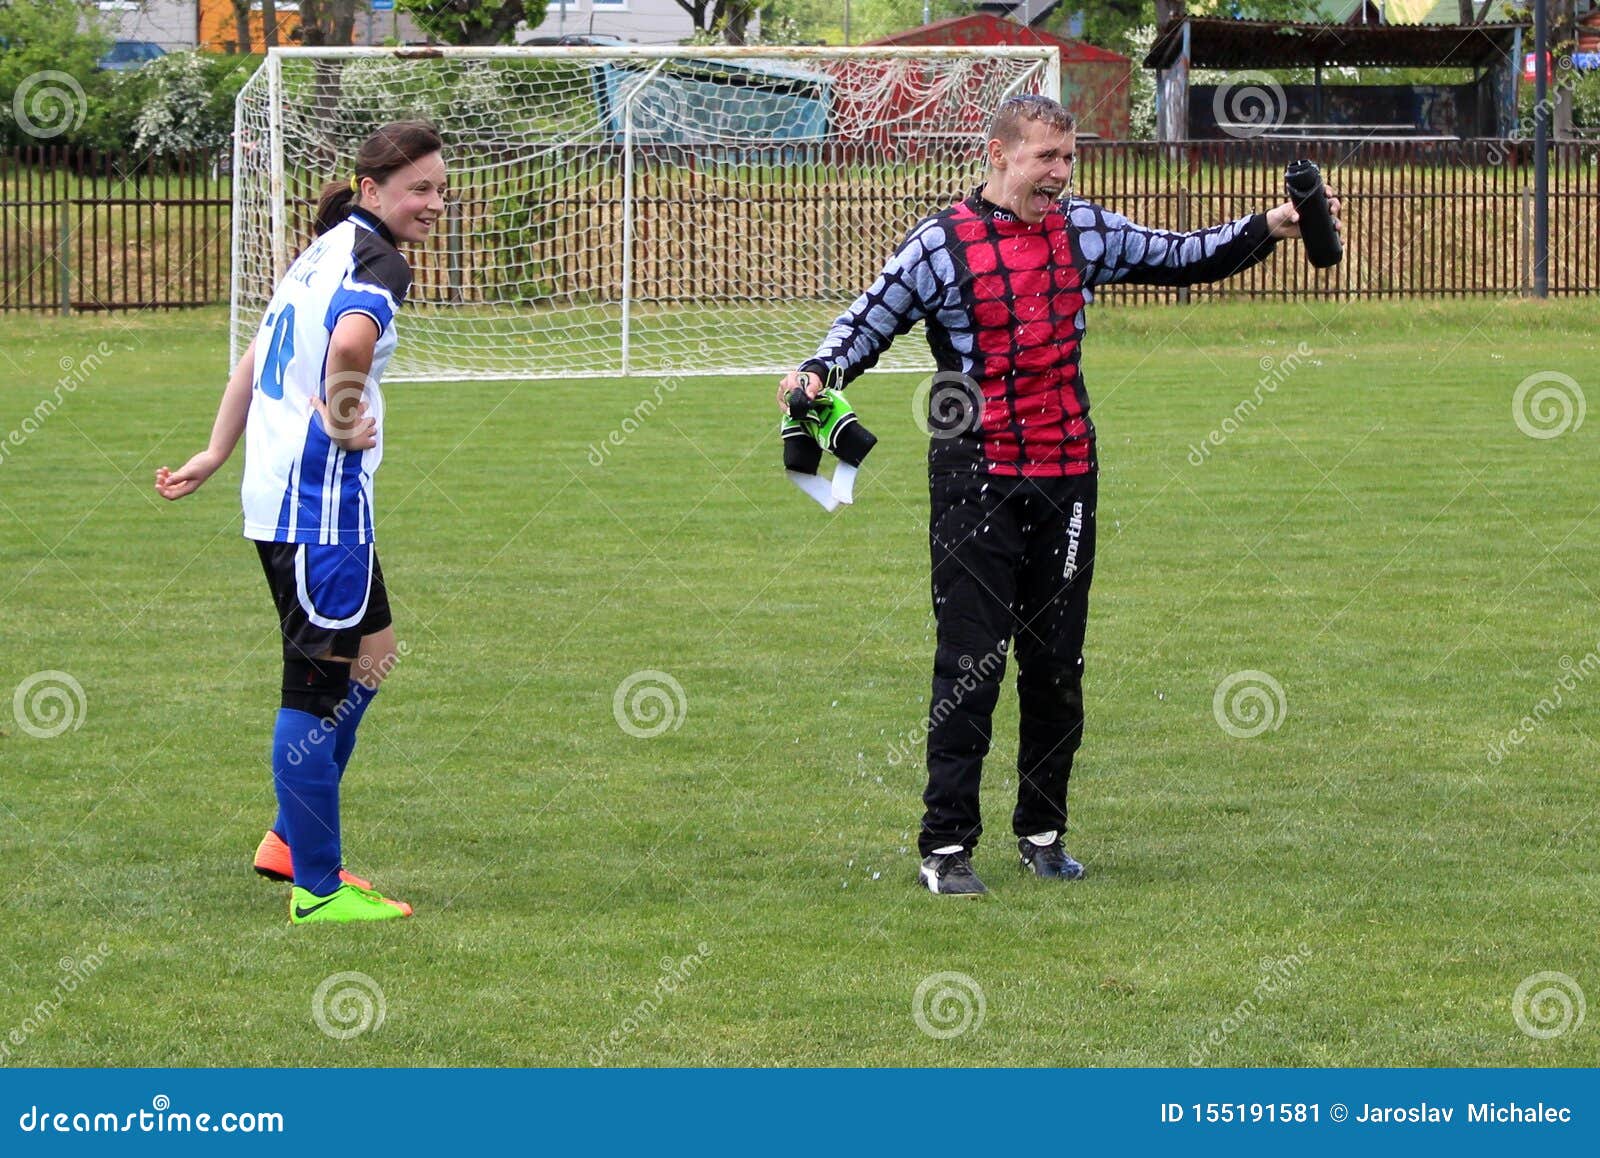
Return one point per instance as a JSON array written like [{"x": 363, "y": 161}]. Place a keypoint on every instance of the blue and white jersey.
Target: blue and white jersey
[{"x": 298, "y": 486}]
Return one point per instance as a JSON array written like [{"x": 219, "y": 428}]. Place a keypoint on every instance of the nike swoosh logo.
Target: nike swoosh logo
[{"x": 302, "y": 914}]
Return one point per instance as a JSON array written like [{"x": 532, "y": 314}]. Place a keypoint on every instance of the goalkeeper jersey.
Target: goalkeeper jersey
[
  {"x": 1003, "y": 304},
  {"x": 299, "y": 487}
]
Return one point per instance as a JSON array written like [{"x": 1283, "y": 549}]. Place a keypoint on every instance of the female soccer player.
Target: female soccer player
[{"x": 312, "y": 416}]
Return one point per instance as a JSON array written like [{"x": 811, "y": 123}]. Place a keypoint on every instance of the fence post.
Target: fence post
[
  {"x": 1524, "y": 243},
  {"x": 1183, "y": 227},
  {"x": 64, "y": 256}
]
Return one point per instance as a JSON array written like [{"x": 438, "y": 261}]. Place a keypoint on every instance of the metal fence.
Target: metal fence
[
  {"x": 98, "y": 231},
  {"x": 85, "y": 231}
]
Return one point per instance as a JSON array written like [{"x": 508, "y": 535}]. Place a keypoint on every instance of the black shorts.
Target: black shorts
[{"x": 328, "y": 597}]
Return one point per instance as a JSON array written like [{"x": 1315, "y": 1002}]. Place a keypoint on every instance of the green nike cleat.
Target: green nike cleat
[{"x": 347, "y": 903}]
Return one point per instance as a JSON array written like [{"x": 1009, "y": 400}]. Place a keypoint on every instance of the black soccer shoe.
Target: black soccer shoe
[
  {"x": 1049, "y": 861},
  {"x": 950, "y": 874}
]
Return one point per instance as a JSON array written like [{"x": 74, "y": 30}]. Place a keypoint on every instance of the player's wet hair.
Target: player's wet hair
[
  {"x": 1014, "y": 110},
  {"x": 390, "y": 148}
]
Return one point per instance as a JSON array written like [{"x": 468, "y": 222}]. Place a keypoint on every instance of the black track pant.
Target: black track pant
[{"x": 1012, "y": 561}]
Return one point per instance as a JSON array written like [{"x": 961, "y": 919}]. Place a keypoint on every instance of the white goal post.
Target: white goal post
[{"x": 704, "y": 210}]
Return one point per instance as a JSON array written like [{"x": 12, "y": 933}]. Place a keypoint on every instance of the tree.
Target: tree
[
  {"x": 241, "y": 25},
  {"x": 474, "y": 22},
  {"x": 327, "y": 22},
  {"x": 730, "y": 19}
]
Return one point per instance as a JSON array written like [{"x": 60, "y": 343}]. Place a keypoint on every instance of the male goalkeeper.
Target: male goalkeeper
[{"x": 1001, "y": 280}]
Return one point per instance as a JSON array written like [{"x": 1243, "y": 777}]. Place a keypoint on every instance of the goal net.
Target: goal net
[{"x": 625, "y": 211}]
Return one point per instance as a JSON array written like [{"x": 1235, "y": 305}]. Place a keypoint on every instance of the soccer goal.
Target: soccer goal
[{"x": 626, "y": 211}]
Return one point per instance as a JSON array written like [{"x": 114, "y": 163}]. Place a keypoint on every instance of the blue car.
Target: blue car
[{"x": 130, "y": 54}]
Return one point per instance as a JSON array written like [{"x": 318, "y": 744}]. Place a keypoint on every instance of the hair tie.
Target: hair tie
[{"x": 355, "y": 184}]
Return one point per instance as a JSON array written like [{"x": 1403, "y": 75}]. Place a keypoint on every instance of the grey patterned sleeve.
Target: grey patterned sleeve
[
  {"x": 1118, "y": 251},
  {"x": 914, "y": 283}
]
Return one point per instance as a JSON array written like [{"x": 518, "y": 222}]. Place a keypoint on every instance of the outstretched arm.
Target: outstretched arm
[
  {"x": 1119, "y": 251},
  {"x": 912, "y": 286},
  {"x": 225, "y": 432}
]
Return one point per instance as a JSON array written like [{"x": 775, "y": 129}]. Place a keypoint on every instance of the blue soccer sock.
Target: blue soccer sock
[
  {"x": 306, "y": 780},
  {"x": 347, "y": 718}
]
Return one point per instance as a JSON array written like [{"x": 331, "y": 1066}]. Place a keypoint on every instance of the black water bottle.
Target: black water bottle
[{"x": 1303, "y": 180}]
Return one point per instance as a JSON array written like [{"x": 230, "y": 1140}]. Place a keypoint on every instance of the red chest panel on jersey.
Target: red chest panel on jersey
[{"x": 1026, "y": 301}]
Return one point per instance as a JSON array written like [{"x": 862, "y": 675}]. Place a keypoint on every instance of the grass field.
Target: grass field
[{"x": 1365, "y": 882}]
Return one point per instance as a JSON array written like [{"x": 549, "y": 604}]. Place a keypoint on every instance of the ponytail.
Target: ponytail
[{"x": 334, "y": 206}]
